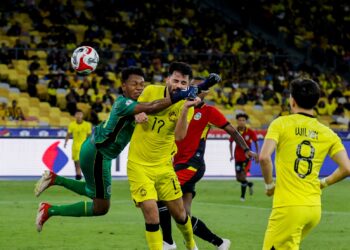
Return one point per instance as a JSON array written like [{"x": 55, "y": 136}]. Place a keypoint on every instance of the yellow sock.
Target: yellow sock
[
  {"x": 187, "y": 233},
  {"x": 154, "y": 240}
]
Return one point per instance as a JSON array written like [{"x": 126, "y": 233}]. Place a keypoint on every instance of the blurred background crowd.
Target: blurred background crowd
[{"x": 256, "y": 46}]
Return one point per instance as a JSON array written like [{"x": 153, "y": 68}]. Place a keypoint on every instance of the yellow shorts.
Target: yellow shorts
[
  {"x": 76, "y": 152},
  {"x": 153, "y": 182},
  {"x": 289, "y": 225}
]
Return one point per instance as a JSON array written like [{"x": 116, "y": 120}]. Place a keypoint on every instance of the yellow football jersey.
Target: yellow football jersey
[
  {"x": 153, "y": 142},
  {"x": 79, "y": 132},
  {"x": 302, "y": 145}
]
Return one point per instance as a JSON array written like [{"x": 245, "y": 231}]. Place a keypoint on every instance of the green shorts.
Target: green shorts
[{"x": 97, "y": 171}]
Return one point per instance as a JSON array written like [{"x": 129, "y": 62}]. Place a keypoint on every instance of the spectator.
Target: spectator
[
  {"x": 35, "y": 65},
  {"x": 52, "y": 89},
  {"x": 15, "y": 112},
  {"x": 32, "y": 81},
  {"x": 15, "y": 30},
  {"x": 108, "y": 100},
  {"x": 85, "y": 97},
  {"x": 97, "y": 106},
  {"x": 4, "y": 113},
  {"x": 72, "y": 98}
]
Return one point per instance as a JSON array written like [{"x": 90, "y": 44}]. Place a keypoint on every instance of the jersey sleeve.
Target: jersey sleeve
[
  {"x": 253, "y": 135},
  {"x": 337, "y": 146},
  {"x": 217, "y": 118},
  {"x": 124, "y": 106},
  {"x": 88, "y": 128},
  {"x": 70, "y": 128},
  {"x": 146, "y": 94},
  {"x": 274, "y": 130}
]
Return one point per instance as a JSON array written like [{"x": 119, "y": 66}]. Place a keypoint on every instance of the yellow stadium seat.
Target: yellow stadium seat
[
  {"x": 55, "y": 112},
  {"x": 34, "y": 102},
  {"x": 23, "y": 102},
  {"x": 22, "y": 82},
  {"x": 11, "y": 124},
  {"x": 84, "y": 107},
  {"x": 4, "y": 93},
  {"x": 42, "y": 91},
  {"x": 61, "y": 100},
  {"x": 64, "y": 121},
  {"x": 41, "y": 54},
  {"x": 44, "y": 121},
  {"x": 54, "y": 121},
  {"x": 102, "y": 116},
  {"x": 33, "y": 112}
]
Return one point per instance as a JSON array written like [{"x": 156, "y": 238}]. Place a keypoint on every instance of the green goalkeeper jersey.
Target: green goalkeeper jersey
[{"x": 111, "y": 136}]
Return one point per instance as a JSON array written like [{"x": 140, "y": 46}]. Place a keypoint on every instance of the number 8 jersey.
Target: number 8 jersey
[
  {"x": 153, "y": 142},
  {"x": 302, "y": 145}
]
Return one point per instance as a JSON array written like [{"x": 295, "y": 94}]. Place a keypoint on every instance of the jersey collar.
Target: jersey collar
[{"x": 301, "y": 113}]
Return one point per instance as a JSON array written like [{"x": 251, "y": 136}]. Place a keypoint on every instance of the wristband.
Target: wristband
[
  {"x": 269, "y": 186},
  {"x": 323, "y": 182},
  {"x": 246, "y": 150}
]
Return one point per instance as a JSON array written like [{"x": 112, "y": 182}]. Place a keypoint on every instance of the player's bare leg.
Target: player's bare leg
[
  {"x": 78, "y": 174},
  {"x": 200, "y": 229},
  {"x": 183, "y": 221},
  {"x": 153, "y": 234}
]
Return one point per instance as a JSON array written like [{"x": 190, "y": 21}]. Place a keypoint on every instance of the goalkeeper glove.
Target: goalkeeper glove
[
  {"x": 209, "y": 82},
  {"x": 181, "y": 94}
]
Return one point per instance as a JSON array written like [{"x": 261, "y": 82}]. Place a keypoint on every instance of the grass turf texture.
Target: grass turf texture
[{"x": 217, "y": 204}]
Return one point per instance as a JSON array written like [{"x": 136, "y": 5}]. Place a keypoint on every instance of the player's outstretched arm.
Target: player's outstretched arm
[
  {"x": 209, "y": 82},
  {"x": 240, "y": 142},
  {"x": 182, "y": 124},
  {"x": 343, "y": 170},
  {"x": 266, "y": 165},
  {"x": 174, "y": 97}
]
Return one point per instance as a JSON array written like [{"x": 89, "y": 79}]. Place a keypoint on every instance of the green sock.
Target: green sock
[
  {"x": 73, "y": 185},
  {"x": 82, "y": 208}
]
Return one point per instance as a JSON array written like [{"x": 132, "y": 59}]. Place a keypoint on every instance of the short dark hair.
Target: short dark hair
[
  {"x": 305, "y": 92},
  {"x": 78, "y": 110},
  {"x": 182, "y": 67},
  {"x": 132, "y": 70},
  {"x": 244, "y": 115}
]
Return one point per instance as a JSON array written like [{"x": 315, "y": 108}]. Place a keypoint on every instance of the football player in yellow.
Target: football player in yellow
[
  {"x": 301, "y": 144},
  {"x": 150, "y": 172},
  {"x": 80, "y": 130}
]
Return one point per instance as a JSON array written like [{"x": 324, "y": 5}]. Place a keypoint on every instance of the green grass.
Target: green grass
[{"x": 217, "y": 204}]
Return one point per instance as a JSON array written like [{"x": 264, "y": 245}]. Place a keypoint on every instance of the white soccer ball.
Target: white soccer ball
[{"x": 84, "y": 60}]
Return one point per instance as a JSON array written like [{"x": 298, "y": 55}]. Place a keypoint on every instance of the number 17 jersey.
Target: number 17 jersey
[
  {"x": 302, "y": 145},
  {"x": 153, "y": 142}
]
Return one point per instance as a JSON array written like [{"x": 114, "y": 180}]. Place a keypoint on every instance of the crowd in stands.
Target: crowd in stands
[
  {"x": 319, "y": 28},
  {"x": 129, "y": 33}
]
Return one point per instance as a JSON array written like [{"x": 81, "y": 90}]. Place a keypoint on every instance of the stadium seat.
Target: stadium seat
[
  {"x": 42, "y": 91},
  {"x": 102, "y": 116},
  {"x": 4, "y": 93},
  {"x": 4, "y": 85},
  {"x": 84, "y": 107},
  {"x": 44, "y": 121},
  {"x": 64, "y": 121},
  {"x": 55, "y": 112}
]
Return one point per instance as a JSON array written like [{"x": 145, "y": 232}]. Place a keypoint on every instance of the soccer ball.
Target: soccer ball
[{"x": 84, "y": 60}]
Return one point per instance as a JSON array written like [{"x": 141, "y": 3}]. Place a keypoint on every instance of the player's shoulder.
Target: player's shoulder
[
  {"x": 323, "y": 128},
  {"x": 154, "y": 88},
  {"x": 122, "y": 100}
]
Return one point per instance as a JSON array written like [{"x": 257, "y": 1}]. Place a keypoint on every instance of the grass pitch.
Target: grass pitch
[{"x": 217, "y": 204}]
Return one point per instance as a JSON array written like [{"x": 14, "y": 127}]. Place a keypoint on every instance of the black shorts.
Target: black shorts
[
  {"x": 188, "y": 177},
  {"x": 241, "y": 165}
]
